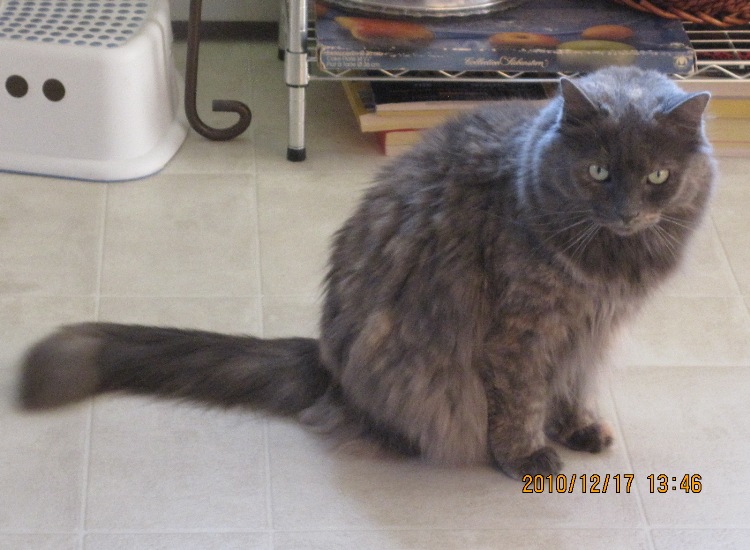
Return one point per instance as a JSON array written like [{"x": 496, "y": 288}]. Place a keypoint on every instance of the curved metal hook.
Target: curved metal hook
[{"x": 191, "y": 88}]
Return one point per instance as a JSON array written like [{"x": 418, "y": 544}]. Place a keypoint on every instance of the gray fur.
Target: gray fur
[{"x": 470, "y": 297}]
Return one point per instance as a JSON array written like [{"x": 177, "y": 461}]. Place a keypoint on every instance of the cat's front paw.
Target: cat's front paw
[
  {"x": 593, "y": 438},
  {"x": 543, "y": 461}
]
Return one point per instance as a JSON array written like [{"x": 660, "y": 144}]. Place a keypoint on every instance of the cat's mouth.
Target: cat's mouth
[
  {"x": 624, "y": 230},
  {"x": 629, "y": 226}
]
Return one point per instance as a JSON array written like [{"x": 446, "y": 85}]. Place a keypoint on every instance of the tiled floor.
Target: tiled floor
[{"x": 232, "y": 237}]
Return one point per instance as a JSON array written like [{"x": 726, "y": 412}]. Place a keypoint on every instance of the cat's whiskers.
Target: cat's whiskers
[
  {"x": 573, "y": 240},
  {"x": 554, "y": 223},
  {"x": 668, "y": 241},
  {"x": 580, "y": 243},
  {"x": 675, "y": 221},
  {"x": 593, "y": 233}
]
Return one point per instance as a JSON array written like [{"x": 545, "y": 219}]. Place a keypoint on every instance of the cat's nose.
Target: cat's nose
[{"x": 628, "y": 217}]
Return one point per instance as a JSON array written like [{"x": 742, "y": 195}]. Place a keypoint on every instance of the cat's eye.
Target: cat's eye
[
  {"x": 598, "y": 173},
  {"x": 658, "y": 177}
]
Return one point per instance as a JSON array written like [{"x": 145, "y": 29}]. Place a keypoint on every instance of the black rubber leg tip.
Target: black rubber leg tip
[{"x": 296, "y": 155}]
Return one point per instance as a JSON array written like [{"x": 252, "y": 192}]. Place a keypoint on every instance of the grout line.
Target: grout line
[
  {"x": 102, "y": 239},
  {"x": 85, "y": 473},
  {"x": 712, "y": 220},
  {"x": 269, "y": 482},
  {"x": 745, "y": 299},
  {"x": 260, "y": 308},
  {"x": 197, "y": 531},
  {"x": 260, "y": 312},
  {"x": 254, "y": 182},
  {"x": 86, "y": 461},
  {"x": 638, "y": 495},
  {"x": 386, "y": 529},
  {"x": 315, "y": 296}
]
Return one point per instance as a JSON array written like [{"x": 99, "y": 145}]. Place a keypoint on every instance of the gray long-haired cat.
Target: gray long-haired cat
[{"x": 471, "y": 295}]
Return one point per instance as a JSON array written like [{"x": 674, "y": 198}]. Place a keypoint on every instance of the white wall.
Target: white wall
[{"x": 229, "y": 10}]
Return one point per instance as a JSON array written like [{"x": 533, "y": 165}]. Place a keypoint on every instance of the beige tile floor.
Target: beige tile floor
[{"x": 232, "y": 237}]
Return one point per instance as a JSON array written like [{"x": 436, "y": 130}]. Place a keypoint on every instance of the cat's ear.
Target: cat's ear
[
  {"x": 577, "y": 106},
  {"x": 688, "y": 111}
]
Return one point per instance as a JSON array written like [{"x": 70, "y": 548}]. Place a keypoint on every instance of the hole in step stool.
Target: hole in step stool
[
  {"x": 53, "y": 89},
  {"x": 17, "y": 86}
]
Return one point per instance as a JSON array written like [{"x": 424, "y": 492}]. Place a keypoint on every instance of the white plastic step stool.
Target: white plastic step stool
[{"x": 88, "y": 89}]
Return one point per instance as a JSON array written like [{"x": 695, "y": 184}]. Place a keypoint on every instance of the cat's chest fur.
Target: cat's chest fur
[{"x": 549, "y": 311}]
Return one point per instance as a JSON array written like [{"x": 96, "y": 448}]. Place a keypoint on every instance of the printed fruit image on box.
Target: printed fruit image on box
[{"x": 539, "y": 36}]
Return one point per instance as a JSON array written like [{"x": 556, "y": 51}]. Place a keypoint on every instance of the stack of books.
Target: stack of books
[
  {"x": 728, "y": 125},
  {"x": 397, "y": 111}
]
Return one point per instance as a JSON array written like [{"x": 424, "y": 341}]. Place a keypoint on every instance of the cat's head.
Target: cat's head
[{"x": 625, "y": 150}]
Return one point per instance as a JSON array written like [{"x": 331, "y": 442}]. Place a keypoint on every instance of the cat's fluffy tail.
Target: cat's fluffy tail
[{"x": 282, "y": 376}]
